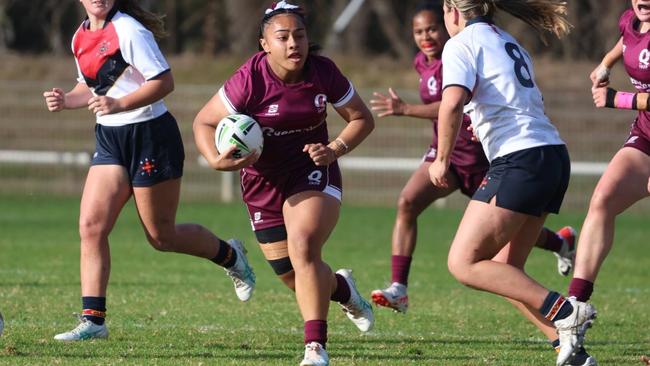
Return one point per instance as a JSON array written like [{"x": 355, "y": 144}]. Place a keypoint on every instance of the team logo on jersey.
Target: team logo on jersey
[
  {"x": 320, "y": 101},
  {"x": 257, "y": 217},
  {"x": 432, "y": 84},
  {"x": 103, "y": 48},
  {"x": 273, "y": 110},
  {"x": 148, "y": 167},
  {"x": 644, "y": 59},
  {"x": 315, "y": 177}
]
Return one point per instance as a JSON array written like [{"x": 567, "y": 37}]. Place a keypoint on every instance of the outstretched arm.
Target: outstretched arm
[{"x": 393, "y": 105}]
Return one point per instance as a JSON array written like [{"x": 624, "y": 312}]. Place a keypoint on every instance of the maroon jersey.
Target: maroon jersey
[
  {"x": 636, "y": 57},
  {"x": 467, "y": 153},
  {"x": 291, "y": 115}
]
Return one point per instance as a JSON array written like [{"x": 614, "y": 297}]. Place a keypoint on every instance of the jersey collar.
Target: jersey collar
[{"x": 479, "y": 19}]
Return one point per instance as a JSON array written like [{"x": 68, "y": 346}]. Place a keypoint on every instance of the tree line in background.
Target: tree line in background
[{"x": 209, "y": 27}]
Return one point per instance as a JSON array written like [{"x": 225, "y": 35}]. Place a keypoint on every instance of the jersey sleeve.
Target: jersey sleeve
[
  {"x": 625, "y": 19},
  {"x": 140, "y": 50},
  {"x": 339, "y": 89},
  {"x": 459, "y": 66},
  {"x": 236, "y": 91},
  {"x": 73, "y": 46}
]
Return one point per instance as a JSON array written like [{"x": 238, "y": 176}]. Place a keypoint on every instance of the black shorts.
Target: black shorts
[
  {"x": 531, "y": 181},
  {"x": 151, "y": 151}
]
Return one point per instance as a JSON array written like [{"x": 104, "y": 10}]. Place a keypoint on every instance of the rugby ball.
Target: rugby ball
[{"x": 239, "y": 130}]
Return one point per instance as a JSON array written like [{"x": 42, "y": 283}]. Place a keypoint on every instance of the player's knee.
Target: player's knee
[
  {"x": 459, "y": 269},
  {"x": 304, "y": 252},
  {"x": 161, "y": 241},
  {"x": 602, "y": 202},
  {"x": 405, "y": 205},
  {"x": 92, "y": 230}
]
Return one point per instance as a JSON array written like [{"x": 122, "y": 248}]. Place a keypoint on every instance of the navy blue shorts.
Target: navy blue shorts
[
  {"x": 151, "y": 151},
  {"x": 531, "y": 181}
]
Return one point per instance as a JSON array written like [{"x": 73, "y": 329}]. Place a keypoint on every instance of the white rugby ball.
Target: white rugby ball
[{"x": 239, "y": 130}]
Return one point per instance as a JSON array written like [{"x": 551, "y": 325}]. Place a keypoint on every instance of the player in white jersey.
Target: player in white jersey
[
  {"x": 123, "y": 77},
  {"x": 489, "y": 75}
]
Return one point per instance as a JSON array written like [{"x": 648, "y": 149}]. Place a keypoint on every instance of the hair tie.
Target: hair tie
[{"x": 280, "y": 5}]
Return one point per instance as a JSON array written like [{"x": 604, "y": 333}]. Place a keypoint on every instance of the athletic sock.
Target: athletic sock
[
  {"x": 556, "y": 345},
  {"x": 94, "y": 309},
  {"x": 553, "y": 241},
  {"x": 316, "y": 331},
  {"x": 226, "y": 255},
  {"x": 400, "y": 267},
  {"x": 555, "y": 307},
  {"x": 342, "y": 293},
  {"x": 581, "y": 289}
]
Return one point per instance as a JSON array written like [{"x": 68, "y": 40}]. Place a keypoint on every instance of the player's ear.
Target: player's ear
[
  {"x": 457, "y": 16},
  {"x": 265, "y": 45}
]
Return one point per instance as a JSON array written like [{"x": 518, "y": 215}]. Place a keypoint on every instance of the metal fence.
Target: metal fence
[{"x": 48, "y": 153}]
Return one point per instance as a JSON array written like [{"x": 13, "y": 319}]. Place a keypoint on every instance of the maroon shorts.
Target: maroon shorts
[
  {"x": 469, "y": 177},
  {"x": 265, "y": 195},
  {"x": 638, "y": 140}
]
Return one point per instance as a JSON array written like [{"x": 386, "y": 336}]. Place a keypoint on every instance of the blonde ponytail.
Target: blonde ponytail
[{"x": 542, "y": 15}]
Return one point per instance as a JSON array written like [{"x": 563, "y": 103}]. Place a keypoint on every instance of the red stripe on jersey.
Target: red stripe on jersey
[{"x": 93, "y": 49}]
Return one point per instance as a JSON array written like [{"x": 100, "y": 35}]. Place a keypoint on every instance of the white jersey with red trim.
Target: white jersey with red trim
[{"x": 116, "y": 61}]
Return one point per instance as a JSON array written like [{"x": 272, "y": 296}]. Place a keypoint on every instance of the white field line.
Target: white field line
[{"x": 359, "y": 163}]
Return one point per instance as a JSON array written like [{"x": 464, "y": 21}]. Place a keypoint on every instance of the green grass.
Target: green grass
[{"x": 169, "y": 309}]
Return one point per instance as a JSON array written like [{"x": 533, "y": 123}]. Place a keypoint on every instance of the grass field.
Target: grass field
[{"x": 169, "y": 309}]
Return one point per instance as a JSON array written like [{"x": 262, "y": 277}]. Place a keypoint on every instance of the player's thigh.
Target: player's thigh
[
  {"x": 157, "y": 205},
  {"x": 105, "y": 192},
  {"x": 624, "y": 180},
  {"x": 483, "y": 231},
  {"x": 517, "y": 250},
  {"x": 419, "y": 192},
  {"x": 310, "y": 217}
]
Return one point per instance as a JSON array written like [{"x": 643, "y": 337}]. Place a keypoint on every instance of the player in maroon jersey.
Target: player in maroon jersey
[
  {"x": 293, "y": 191},
  {"x": 123, "y": 77},
  {"x": 625, "y": 181},
  {"x": 469, "y": 163}
]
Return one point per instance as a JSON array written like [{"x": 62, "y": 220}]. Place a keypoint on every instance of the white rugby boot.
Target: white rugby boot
[
  {"x": 582, "y": 358},
  {"x": 572, "y": 329},
  {"x": 315, "y": 355},
  {"x": 358, "y": 310},
  {"x": 241, "y": 273},
  {"x": 85, "y": 330},
  {"x": 566, "y": 256},
  {"x": 394, "y": 297}
]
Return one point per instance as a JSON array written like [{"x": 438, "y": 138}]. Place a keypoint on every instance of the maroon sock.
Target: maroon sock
[
  {"x": 316, "y": 331},
  {"x": 342, "y": 293},
  {"x": 581, "y": 289},
  {"x": 553, "y": 241},
  {"x": 400, "y": 267}
]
